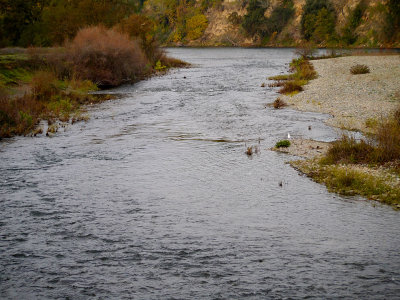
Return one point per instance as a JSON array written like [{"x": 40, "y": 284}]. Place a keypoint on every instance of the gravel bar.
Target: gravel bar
[{"x": 350, "y": 99}]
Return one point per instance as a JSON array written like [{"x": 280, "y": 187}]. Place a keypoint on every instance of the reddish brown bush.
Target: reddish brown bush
[
  {"x": 44, "y": 85},
  {"x": 142, "y": 28},
  {"x": 106, "y": 57},
  {"x": 18, "y": 116}
]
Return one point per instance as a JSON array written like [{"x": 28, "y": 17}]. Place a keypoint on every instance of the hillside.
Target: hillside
[
  {"x": 357, "y": 23},
  {"x": 326, "y": 23}
]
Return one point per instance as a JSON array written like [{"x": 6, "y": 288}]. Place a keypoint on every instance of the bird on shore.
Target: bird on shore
[{"x": 288, "y": 135}]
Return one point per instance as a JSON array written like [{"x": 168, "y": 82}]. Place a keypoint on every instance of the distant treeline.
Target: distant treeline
[{"x": 52, "y": 22}]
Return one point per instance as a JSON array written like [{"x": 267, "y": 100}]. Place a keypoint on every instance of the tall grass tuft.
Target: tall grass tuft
[
  {"x": 359, "y": 69},
  {"x": 279, "y": 103},
  {"x": 383, "y": 147},
  {"x": 303, "y": 72},
  {"x": 106, "y": 57},
  {"x": 18, "y": 116},
  {"x": 44, "y": 85}
]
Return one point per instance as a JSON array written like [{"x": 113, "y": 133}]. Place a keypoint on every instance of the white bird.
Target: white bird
[{"x": 288, "y": 135}]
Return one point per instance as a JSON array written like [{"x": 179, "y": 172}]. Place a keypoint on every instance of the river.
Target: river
[{"x": 155, "y": 198}]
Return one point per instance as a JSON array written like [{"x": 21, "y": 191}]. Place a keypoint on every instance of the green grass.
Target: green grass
[
  {"x": 14, "y": 76},
  {"x": 350, "y": 180},
  {"x": 41, "y": 96},
  {"x": 12, "y": 59},
  {"x": 282, "y": 144},
  {"x": 280, "y": 77},
  {"x": 369, "y": 167}
]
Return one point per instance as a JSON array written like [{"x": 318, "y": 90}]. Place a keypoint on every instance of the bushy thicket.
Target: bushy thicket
[
  {"x": 105, "y": 56},
  {"x": 318, "y": 21},
  {"x": 46, "y": 23},
  {"x": 382, "y": 147},
  {"x": 393, "y": 20},
  {"x": 142, "y": 29},
  {"x": 255, "y": 22},
  {"x": 349, "y": 35}
]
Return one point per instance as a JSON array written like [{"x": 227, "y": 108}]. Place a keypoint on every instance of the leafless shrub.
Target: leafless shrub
[{"x": 105, "y": 56}]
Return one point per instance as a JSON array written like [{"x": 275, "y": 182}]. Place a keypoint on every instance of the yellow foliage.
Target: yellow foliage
[
  {"x": 195, "y": 26},
  {"x": 177, "y": 36}
]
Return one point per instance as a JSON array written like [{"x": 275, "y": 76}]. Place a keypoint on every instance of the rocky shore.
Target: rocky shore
[{"x": 355, "y": 102}]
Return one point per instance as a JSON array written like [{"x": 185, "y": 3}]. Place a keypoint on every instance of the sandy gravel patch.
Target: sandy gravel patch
[
  {"x": 352, "y": 99},
  {"x": 305, "y": 148}
]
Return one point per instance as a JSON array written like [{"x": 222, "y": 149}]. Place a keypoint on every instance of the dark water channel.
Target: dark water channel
[{"x": 154, "y": 198}]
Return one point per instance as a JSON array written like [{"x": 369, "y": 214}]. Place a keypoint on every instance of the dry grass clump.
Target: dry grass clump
[
  {"x": 306, "y": 50},
  {"x": 290, "y": 87},
  {"x": 171, "y": 62},
  {"x": 382, "y": 148},
  {"x": 279, "y": 103},
  {"x": 44, "y": 85},
  {"x": 293, "y": 83},
  {"x": 303, "y": 69},
  {"x": 348, "y": 150},
  {"x": 18, "y": 116},
  {"x": 359, "y": 69},
  {"x": 249, "y": 151},
  {"x": 278, "y": 83},
  {"x": 280, "y": 77},
  {"x": 106, "y": 57}
]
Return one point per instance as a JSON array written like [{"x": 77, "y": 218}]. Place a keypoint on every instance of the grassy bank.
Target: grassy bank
[
  {"x": 372, "y": 182},
  {"x": 54, "y": 84},
  {"x": 302, "y": 71},
  {"x": 369, "y": 167}
]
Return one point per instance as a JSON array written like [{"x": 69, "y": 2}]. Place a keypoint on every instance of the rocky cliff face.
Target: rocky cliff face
[{"x": 222, "y": 31}]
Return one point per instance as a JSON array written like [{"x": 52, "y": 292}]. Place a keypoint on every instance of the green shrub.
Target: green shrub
[
  {"x": 159, "y": 66},
  {"x": 234, "y": 18},
  {"x": 318, "y": 21},
  {"x": 254, "y": 20},
  {"x": 280, "y": 15},
  {"x": 393, "y": 20},
  {"x": 282, "y": 144},
  {"x": 359, "y": 69},
  {"x": 349, "y": 35}
]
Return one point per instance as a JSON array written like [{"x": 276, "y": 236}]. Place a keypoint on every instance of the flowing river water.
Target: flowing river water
[{"x": 155, "y": 198}]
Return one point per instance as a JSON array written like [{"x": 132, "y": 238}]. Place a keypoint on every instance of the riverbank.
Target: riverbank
[
  {"x": 55, "y": 84},
  {"x": 365, "y": 103},
  {"x": 355, "y": 102}
]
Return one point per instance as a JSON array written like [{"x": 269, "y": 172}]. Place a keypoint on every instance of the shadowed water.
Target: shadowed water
[{"x": 155, "y": 198}]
